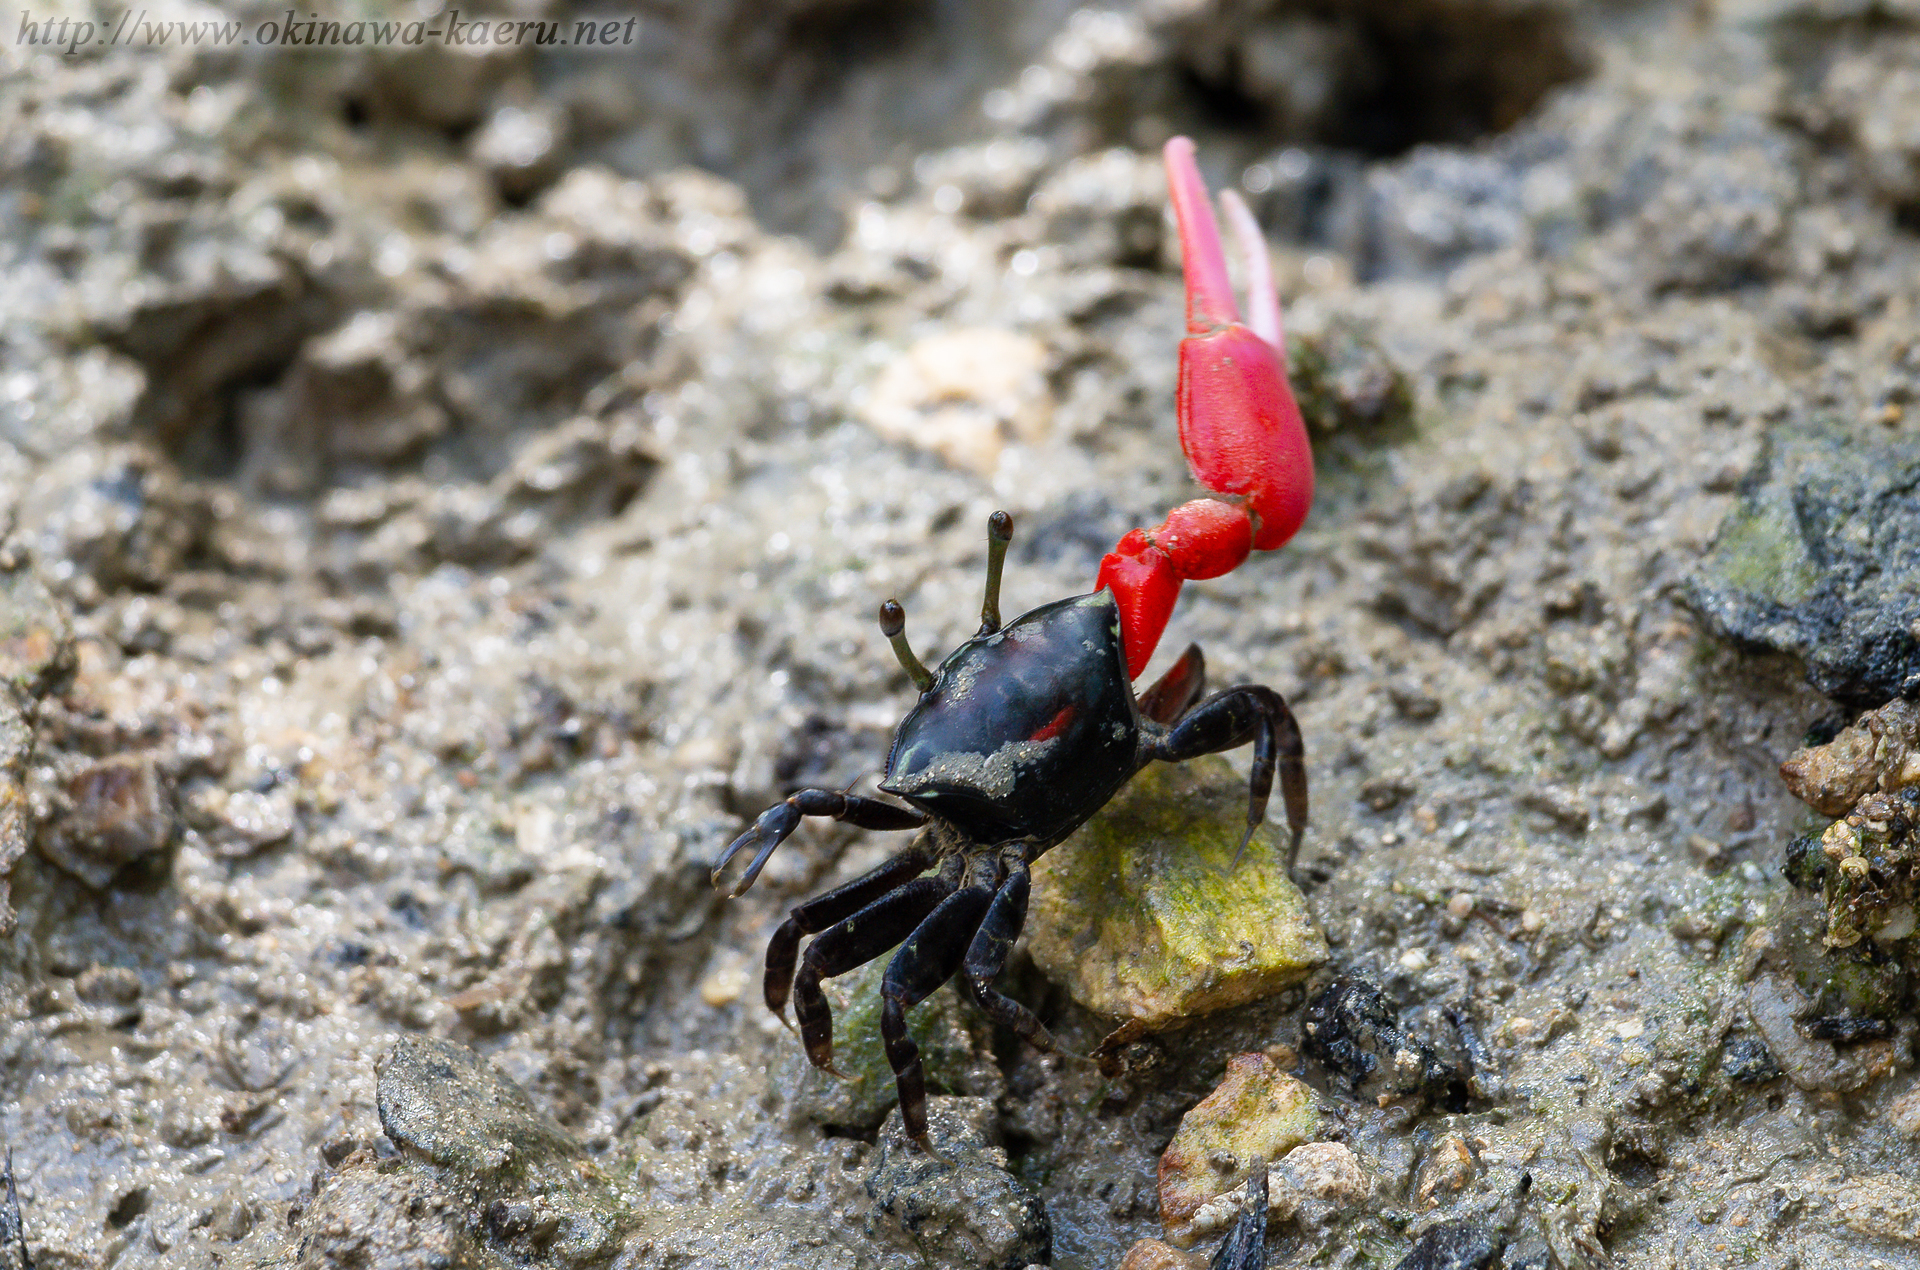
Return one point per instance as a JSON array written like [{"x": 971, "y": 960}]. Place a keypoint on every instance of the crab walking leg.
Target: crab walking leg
[
  {"x": 1246, "y": 1247},
  {"x": 1239, "y": 426},
  {"x": 987, "y": 957},
  {"x": 779, "y": 821},
  {"x": 927, "y": 960},
  {"x": 850, "y": 944},
  {"x": 1228, "y": 720},
  {"x": 825, "y": 910}
]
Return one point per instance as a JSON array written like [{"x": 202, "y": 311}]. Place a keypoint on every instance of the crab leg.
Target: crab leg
[{"x": 1239, "y": 426}]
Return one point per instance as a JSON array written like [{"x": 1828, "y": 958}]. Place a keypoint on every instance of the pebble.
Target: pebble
[
  {"x": 1326, "y": 1171},
  {"x": 1445, "y": 1171},
  {"x": 116, "y": 812},
  {"x": 964, "y": 395},
  {"x": 1353, "y": 1031},
  {"x": 1257, "y": 1112},
  {"x": 1904, "y": 1114},
  {"x": 1151, "y": 1254},
  {"x": 725, "y": 984}
]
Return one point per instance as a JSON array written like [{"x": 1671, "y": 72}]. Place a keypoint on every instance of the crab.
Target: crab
[{"x": 1031, "y": 726}]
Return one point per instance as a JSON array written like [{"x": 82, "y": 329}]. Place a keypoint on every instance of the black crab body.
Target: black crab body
[{"x": 1024, "y": 732}]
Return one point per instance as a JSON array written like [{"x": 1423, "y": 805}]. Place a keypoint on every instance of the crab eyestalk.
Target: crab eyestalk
[
  {"x": 893, "y": 624},
  {"x": 999, "y": 534}
]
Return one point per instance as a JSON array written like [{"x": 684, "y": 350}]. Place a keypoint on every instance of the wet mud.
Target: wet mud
[{"x": 446, "y": 493}]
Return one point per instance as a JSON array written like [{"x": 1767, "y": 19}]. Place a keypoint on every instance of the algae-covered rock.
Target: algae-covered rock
[
  {"x": 1256, "y": 1113},
  {"x": 1144, "y": 915},
  {"x": 1821, "y": 559},
  {"x": 954, "y": 1057}
]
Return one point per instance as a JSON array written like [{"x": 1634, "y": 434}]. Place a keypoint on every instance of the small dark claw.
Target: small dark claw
[{"x": 773, "y": 827}]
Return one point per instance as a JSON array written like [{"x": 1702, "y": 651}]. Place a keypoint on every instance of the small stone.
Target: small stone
[
  {"x": 115, "y": 811},
  {"x": 107, "y": 985},
  {"x": 964, "y": 395},
  {"x": 522, "y": 148},
  {"x": 1880, "y": 751},
  {"x": 1145, "y": 915},
  {"x": 1747, "y": 1061},
  {"x": 1447, "y": 1169},
  {"x": 725, "y": 984},
  {"x": 1705, "y": 851},
  {"x": 242, "y": 822},
  {"x": 1467, "y": 1245},
  {"x": 1326, "y": 1171},
  {"x": 1257, "y": 1112},
  {"x": 1904, "y": 1114},
  {"x": 1566, "y": 806},
  {"x": 1151, "y": 1254},
  {"x": 969, "y": 1210}
]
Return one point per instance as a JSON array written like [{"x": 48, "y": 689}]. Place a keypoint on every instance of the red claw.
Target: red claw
[
  {"x": 1239, "y": 425},
  {"x": 1142, "y": 580}
]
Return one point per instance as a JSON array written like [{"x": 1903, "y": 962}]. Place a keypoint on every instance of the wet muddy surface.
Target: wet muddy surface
[{"x": 446, "y": 494}]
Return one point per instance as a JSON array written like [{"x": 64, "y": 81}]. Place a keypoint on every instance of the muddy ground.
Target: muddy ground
[{"x": 447, "y": 494}]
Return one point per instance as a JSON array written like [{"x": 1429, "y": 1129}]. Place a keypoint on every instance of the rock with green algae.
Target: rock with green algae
[
  {"x": 1257, "y": 1112},
  {"x": 1143, "y": 914},
  {"x": 1865, "y": 866},
  {"x": 1821, "y": 559}
]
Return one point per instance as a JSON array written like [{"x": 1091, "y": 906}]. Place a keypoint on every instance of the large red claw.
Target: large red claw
[{"x": 1239, "y": 424}]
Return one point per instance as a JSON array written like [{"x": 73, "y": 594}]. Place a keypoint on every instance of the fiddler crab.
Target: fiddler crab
[{"x": 1031, "y": 726}]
